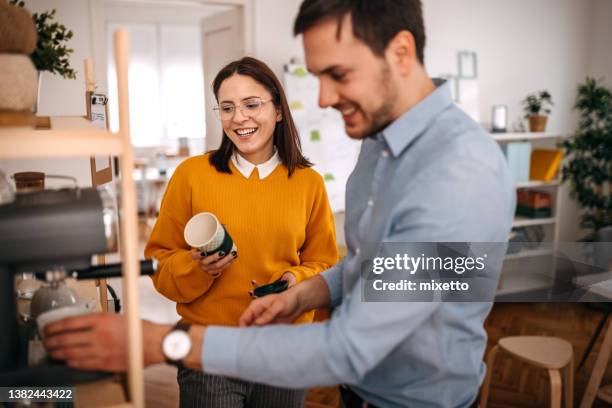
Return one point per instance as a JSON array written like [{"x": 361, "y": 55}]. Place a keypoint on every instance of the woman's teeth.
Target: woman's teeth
[{"x": 246, "y": 132}]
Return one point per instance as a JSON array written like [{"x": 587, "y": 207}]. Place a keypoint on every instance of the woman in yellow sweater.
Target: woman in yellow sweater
[{"x": 274, "y": 206}]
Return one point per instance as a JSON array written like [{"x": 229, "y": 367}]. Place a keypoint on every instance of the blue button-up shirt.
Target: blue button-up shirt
[{"x": 433, "y": 175}]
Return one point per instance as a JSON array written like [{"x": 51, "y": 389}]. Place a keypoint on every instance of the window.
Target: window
[{"x": 166, "y": 85}]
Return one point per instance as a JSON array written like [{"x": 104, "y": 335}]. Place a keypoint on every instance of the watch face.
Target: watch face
[{"x": 176, "y": 345}]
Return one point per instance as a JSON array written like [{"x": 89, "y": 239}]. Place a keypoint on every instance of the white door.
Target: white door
[{"x": 222, "y": 42}]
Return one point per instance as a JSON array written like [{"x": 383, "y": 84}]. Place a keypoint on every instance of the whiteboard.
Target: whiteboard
[{"x": 322, "y": 134}]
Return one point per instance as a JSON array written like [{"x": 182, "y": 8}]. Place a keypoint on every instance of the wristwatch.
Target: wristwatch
[{"x": 177, "y": 344}]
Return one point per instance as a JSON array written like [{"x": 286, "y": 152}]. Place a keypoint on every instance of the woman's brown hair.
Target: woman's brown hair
[{"x": 285, "y": 138}]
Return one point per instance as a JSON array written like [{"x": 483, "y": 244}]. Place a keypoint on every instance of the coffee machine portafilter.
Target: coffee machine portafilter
[{"x": 43, "y": 231}]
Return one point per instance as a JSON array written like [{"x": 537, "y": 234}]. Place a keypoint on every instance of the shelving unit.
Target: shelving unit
[
  {"x": 529, "y": 253},
  {"x": 76, "y": 136},
  {"x": 525, "y": 136},
  {"x": 527, "y": 222},
  {"x": 518, "y": 282}
]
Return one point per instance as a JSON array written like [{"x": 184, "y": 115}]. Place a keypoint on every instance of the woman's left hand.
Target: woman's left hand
[
  {"x": 287, "y": 276},
  {"x": 290, "y": 278}
]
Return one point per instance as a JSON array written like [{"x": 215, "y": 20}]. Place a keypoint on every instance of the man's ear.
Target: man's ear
[{"x": 401, "y": 52}]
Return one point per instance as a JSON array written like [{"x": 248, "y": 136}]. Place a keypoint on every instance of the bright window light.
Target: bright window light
[{"x": 166, "y": 86}]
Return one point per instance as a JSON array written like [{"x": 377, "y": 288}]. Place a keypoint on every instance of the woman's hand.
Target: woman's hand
[
  {"x": 289, "y": 278},
  {"x": 214, "y": 264}
]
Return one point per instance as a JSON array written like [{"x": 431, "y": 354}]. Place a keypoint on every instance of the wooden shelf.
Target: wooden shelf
[
  {"x": 536, "y": 183},
  {"x": 515, "y": 283},
  {"x": 529, "y": 253},
  {"x": 517, "y": 137},
  {"x": 527, "y": 222},
  {"x": 69, "y": 136}
]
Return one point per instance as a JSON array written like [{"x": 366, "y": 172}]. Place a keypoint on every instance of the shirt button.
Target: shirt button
[
  {"x": 385, "y": 153},
  {"x": 358, "y": 251},
  {"x": 370, "y": 202}
]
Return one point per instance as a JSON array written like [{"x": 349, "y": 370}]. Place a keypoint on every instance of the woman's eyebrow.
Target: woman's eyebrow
[{"x": 244, "y": 99}]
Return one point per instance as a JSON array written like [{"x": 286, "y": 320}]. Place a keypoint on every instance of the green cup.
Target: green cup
[{"x": 205, "y": 233}]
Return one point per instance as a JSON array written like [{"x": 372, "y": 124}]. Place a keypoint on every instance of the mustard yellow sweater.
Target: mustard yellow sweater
[{"x": 278, "y": 224}]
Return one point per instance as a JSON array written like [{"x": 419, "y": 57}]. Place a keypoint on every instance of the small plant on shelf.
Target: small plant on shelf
[
  {"x": 51, "y": 53},
  {"x": 589, "y": 168},
  {"x": 537, "y": 108}
]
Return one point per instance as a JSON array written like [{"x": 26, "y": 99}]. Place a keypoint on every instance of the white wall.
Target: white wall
[
  {"x": 274, "y": 41},
  {"x": 600, "y": 61}
]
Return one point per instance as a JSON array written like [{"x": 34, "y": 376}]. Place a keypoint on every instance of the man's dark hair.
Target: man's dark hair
[{"x": 375, "y": 22}]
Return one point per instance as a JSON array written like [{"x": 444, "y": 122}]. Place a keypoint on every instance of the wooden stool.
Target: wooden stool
[{"x": 551, "y": 353}]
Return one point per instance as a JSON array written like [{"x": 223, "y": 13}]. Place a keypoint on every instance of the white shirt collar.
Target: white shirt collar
[{"x": 245, "y": 167}]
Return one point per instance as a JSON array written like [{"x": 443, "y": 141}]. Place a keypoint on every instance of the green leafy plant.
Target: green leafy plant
[
  {"x": 51, "y": 53},
  {"x": 589, "y": 165},
  {"x": 537, "y": 103}
]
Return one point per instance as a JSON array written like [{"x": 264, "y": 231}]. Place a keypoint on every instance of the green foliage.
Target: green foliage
[
  {"x": 589, "y": 168},
  {"x": 537, "y": 103},
  {"x": 51, "y": 53}
]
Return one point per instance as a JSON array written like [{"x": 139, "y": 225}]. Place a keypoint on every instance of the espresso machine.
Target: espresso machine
[{"x": 50, "y": 235}]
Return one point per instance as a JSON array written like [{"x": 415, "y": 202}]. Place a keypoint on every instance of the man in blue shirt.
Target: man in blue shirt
[{"x": 426, "y": 173}]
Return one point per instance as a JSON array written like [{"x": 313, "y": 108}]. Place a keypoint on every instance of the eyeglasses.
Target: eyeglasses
[{"x": 249, "y": 108}]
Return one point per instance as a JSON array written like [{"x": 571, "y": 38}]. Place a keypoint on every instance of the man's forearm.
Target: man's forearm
[{"x": 313, "y": 293}]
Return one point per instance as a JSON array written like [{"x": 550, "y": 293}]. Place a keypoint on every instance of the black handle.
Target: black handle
[{"x": 147, "y": 267}]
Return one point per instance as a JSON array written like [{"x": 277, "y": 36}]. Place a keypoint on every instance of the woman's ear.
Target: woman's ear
[{"x": 279, "y": 115}]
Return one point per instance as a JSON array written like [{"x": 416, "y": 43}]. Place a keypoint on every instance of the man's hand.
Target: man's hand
[
  {"x": 276, "y": 308},
  {"x": 285, "y": 307},
  {"x": 99, "y": 342}
]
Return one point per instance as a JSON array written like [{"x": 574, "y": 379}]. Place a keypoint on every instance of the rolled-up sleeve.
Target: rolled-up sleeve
[{"x": 333, "y": 278}]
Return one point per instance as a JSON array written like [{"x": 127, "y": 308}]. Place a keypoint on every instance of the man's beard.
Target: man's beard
[{"x": 381, "y": 117}]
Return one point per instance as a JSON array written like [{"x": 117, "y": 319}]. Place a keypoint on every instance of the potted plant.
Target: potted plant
[
  {"x": 589, "y": 166},
  {"x": 537, "y": 106},
  {"x": 51, "y": 53}
]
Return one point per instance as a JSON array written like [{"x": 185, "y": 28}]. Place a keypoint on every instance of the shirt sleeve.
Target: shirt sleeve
[
  {"x": 341, "y": 350},
  {"x": 179, "y": 277},
  {"x": 333, "y": 278}
]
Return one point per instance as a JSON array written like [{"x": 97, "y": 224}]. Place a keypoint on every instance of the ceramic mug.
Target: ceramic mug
[
  {"x": 60, "y": 313},
  {"x": 205, "y": 233}
]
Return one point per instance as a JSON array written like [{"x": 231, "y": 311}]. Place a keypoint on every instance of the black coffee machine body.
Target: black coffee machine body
[{"x": 43, "y": 231}]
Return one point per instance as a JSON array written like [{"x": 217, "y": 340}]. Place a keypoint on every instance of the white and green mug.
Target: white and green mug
[{"x": 205, "y": 233}]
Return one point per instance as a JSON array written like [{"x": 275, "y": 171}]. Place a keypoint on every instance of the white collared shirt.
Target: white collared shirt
[{"x": 245, "y": 167}]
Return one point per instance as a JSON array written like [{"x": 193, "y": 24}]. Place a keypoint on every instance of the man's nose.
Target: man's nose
[{"x": 328, "y": 96}]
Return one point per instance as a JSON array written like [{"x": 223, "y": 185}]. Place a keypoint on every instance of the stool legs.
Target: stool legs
[
  {"x": 484, "y": 392},
  {"x": 568, "y": 383},
  {"x": 555, "y": 388},
  {"x": 601, "y": 363}
]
